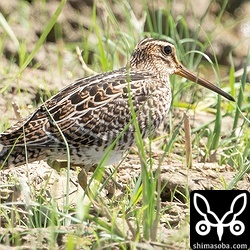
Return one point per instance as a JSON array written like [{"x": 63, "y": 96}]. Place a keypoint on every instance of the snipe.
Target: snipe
[{"x": 93, "y": 111}]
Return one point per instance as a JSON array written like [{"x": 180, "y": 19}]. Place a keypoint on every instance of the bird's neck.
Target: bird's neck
[
  {"x": 153, "y": 72},
  {"x": 156, "y": 70}
]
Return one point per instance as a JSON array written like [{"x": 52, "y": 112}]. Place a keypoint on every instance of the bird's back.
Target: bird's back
[{"x": 90, "y": 113}]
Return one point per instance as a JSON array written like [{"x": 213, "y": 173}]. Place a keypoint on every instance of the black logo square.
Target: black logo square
[{"x": 220, "y": 219}]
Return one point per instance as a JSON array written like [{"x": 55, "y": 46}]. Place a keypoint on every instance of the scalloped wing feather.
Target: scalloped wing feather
[{"x": 82, "y": 110}]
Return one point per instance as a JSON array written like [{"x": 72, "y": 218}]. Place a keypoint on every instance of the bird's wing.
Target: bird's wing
[{"x": 86, "y": 107}]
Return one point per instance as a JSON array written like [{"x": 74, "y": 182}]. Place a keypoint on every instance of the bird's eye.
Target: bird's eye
[{"x": 168, "y": 49}]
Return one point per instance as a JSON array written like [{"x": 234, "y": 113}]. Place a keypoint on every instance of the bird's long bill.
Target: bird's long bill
[{"x": 184, "y": 72}]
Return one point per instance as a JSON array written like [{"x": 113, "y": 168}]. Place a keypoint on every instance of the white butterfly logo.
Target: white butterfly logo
[{"x": 203, "y": 227}]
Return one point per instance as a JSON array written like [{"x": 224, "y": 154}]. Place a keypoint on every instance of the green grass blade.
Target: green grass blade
[
  {"x": 39, "y": 43},
  {"x": 8, "y": 30},
  {"x": 241, "y": 94},
  {"x": 217, "y": 125}
]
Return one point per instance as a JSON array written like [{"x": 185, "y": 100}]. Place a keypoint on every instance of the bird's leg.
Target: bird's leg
[
  {"x": 110, "y": 185},
  {"x": 83, "y": 178},
  {"x": 83, "y": 175},
  {"x": 57, "y": 165}
]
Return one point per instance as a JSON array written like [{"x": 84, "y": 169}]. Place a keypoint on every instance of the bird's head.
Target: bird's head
[{"x": 159, "y": 57}]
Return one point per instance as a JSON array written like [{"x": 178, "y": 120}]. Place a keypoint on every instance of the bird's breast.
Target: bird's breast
[{"x": 154, "y": 110}]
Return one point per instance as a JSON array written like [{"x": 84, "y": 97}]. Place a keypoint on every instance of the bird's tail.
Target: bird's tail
[{"x": 19, "y": 155}]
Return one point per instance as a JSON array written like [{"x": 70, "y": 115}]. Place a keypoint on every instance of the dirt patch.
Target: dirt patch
[{"x": 176, "y": 180}]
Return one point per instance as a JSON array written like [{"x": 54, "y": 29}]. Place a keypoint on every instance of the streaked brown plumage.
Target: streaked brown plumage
[{"x": 93, "y": 111}]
